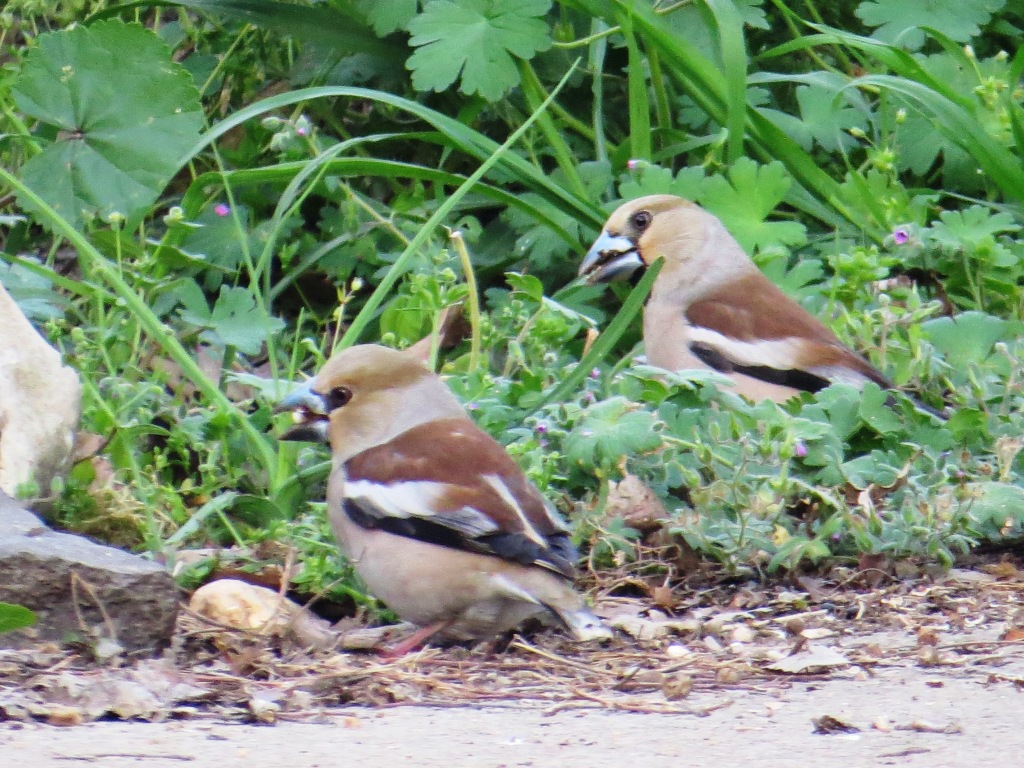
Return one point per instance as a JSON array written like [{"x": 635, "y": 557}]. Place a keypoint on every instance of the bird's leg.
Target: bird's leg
[{"x": 413, "y": 641}]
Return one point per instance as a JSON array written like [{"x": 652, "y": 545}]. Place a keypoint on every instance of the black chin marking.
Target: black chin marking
[
  {"x": 637, "y": 275},
  {"x": 618, "y": 268},
  {"x": 310, "y": 432}
]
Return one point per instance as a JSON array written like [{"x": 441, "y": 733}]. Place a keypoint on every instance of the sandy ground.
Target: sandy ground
[
  {"x": 906, "y": 716},
  {"x": 930, "y": 674}
]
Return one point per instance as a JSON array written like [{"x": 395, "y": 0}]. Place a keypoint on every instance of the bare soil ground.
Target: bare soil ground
[{"x": 923, "y": 672}]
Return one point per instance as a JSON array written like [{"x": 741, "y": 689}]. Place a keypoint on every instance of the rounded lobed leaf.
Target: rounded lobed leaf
[{"x": 124, "y": 112}]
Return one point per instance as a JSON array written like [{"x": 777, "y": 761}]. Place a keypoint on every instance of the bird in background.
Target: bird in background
[
  {"x": 438, "y": 520},
  {"x": 712, "y": 308}
]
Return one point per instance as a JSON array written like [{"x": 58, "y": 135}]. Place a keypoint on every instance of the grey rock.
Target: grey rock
[
  {"x": 40, "y": 401},
  {"x": 80, "y": 588}
]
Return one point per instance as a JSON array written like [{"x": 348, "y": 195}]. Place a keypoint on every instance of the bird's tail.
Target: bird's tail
[{"x": 583, "y": 624}]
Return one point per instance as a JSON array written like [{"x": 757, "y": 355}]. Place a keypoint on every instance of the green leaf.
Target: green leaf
[
  {"x": 655, "y": 180},
  {"x": 876, "y": 411},
  {"x": 842, "y": 406},
  {"x": 387, "y": 16},
  {"x": 752, "y": 14},
  {"x": 321, "y": 23},
  {"x": 477, "y": 40},
  {"x": 124, "y": 112},
  {"x": 824, "y": 119},
  {"x": 745, "y": 201},
  {"x": 236, "y": 321},
  {"x": 609, "y": 430},
  {"x": 973, "y": 225},
  {"x": 239, "y": 323},
  {"x": 997, "y": 510},
  {"x": 33, "y": 293},
  {"x": 965, "y": 339},
  {"x": 407, "y": 317},
  {"x": 880, "y": 468},
  {"x": 543, "y": 243},
  {"x": 15, "y": 617},
  {"x": 899, "y": 21}
]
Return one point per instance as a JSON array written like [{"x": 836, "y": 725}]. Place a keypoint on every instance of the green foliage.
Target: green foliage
[
  {"x": 475, "y": 40},
  {"x": 609, "y": 431},
  {"x": 14, "y": 617},
  {"x": 234, "y": 321},
  {"x": 745, "y": 201},
  {"x": 899, "y": 21},
  {"x": 868, "y": 157},
  {"x": 121, "y": 113}
]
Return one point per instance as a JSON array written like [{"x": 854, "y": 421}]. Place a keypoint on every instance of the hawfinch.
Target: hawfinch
[
  {"x": 711, "y": 307},
  {"x": 438, "y": 520}
]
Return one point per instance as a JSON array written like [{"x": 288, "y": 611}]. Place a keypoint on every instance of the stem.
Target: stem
[
  {"x": 473, "y": 299},
  {"x": 534, "y": 93},
  {"x": 94, "y": 261},
  {"x": 630, "y": 309},
  {"x": 383, "y": 290}
]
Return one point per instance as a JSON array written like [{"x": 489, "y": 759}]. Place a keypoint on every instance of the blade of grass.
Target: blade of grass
[
  {"x": 700, "y": 79},
  {"x": 472, "y": 299},
  {"x": 95, "y": 264},
  {"x": 959, "y": 126},
  {"x": 360, "y": 166},
  {"x": 631, "y": 307},
  {"x": 323, "y": 24},
  {"x": 289, "y": 203},
  {"x": 513, "y": 167},
  {"x": 596, "y": 55},
  {"x": 725, "y": 19},
  {"x": 639, "y": 106},
  {"x": 535, "y": 96},
  {"x": 76, "y": 287},
  {"x": 360, "y": 321}
]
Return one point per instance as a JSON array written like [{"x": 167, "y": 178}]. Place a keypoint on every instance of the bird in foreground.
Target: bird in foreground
[
  {"x": 711, "y": 307},
  {"x": 438, "y": 520}
]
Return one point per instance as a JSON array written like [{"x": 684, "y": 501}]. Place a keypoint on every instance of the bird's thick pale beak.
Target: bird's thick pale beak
[
  {"x": 611, "y": 257},
  {"x": 309, "y": 412}
]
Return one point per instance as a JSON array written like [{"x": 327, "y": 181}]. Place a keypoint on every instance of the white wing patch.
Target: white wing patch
[
  {"x": 506, "y": 586},
  {"x": 773, "y": 353},
  {"x": 415, "y": 498},
  {"x": 780, "y": 354},
  {"x": 506, "y": 495},
  {"x": 420, "y": 498},
  {"x": 839, "y": 373}
]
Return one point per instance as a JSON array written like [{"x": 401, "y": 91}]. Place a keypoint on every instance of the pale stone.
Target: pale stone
[
  {"x": 40, "y": 402},
  {"x": 79, "y": 588}
]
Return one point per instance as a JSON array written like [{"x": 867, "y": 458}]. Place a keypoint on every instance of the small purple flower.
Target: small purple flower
[
  {"x": 542, "y": 443},
  {"x": 221, "y": 209},
  {"x": 301, "y": 130},
  {"x": 541, "y": 429},
  {"x": 596, "y": 373},
  {"x": 633, "y": 164},
  {"x": 900, "y": 236},
  {"x": 589, "y": 397},
  {"x": 800, "y": 449},
  {"x": 837, "y": 536},
  {"x": 471, "y": 406}
]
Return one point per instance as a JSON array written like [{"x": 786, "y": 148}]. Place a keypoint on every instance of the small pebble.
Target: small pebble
[{"x": 676, "y": 651}]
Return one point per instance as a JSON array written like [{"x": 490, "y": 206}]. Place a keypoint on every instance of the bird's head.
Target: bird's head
[
  {"x": 363, "y": 397},
  {"x": 637, "y": 233}
]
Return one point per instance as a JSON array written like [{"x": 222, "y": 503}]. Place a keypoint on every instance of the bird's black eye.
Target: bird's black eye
[
  {"x": 338, "y": 397},
  {"x": 641, "y": 220}
]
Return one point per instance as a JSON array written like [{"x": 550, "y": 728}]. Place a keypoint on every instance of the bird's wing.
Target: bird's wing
[
  {"x": 751, "y": 327},
  {"x": 449, "y": 483}
]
